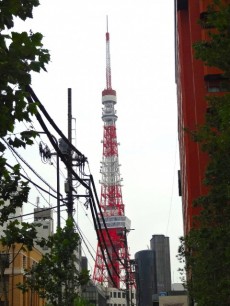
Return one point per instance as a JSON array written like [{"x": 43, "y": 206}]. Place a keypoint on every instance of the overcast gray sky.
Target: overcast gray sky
[{"x": 142, "y": 60}]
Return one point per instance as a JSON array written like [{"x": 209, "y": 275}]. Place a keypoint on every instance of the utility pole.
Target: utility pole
[
  {"x": 69, "y": 157},
  {"x": 70, "y": 180}
]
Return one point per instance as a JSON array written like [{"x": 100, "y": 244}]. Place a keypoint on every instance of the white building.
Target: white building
[
  {"x": 43, "y": 218},
  {"x": 118, "y": 297}
]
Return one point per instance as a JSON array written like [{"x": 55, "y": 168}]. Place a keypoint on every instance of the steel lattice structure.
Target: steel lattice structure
[{"x": 111, "y": 202}]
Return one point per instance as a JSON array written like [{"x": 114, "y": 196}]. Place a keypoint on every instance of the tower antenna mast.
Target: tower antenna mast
[{"x": 108, "y": 63}]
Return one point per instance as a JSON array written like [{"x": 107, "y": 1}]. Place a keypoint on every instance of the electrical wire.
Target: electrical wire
[
  {"x": 35, "y": 205},
  {"x": 83, "y": 239},
  {"x": 99, "y": 229},
  {"x": 29, "y": 180},
  {"x": 42, "y": 108},
  {"x": 53, "y": 160},
  {"x": 23, "y": 160},
  {"x": 99, "y": 241},
  {"x": 33, "y": 98},
  {"x": 54, "y": 144},
  {"x": 33, "y": 213},
  {"x": 104, "y": 223},
  {"x": 52, "y": 164},
  {"x": 83, "y": 207}
]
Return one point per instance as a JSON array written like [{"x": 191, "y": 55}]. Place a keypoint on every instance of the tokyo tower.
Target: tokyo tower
[{"x": 112, "y": 253}]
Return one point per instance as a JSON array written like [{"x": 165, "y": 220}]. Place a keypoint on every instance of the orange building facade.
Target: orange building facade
[
  {"x": 194, "y": 82},
  {"x": 15, "y": 273}
]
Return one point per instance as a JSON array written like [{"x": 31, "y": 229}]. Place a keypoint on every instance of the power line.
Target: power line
[
  {"x": 29, "y": 214},
  {"x": 81, "y": 234},
  {"x": 54, "y": 144},
  {"x": 33, "y": 98},
  {"x": 23, "y": 160},
  {"x": 104, "y": 223},
  {"x": 29, "y": 180}
]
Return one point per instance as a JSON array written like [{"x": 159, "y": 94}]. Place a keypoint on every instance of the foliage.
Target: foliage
[
  {"x": 20, "y": 55},
  {"x": 81, "y": 302},
  {"x": 56, "y": 277},
  {"x": 205, "y": 250},
  {"x": 215, "y": 51}
]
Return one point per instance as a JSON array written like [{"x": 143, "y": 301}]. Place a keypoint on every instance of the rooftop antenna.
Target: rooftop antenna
[{"x": 37, "y": 201}]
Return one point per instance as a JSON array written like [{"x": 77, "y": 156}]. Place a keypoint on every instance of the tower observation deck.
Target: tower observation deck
[{"x": 111, "y": 271}]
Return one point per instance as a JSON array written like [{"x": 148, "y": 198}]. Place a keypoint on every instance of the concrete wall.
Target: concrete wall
[{"x": 178, "y": 300}]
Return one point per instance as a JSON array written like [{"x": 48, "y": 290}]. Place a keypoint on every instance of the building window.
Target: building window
[
  {"x": 45, "y": 226},
  {"x": 216, "y": 83},
  {"x": 205, "y": 20},
  {"x": 119, "y": 295},
  {"x": 182, "y": 5},
  {"x": 24, "y": 261},
  {"x": 5, "y": 260},
  {"x": 123, "y": 295},
  {"x": 114, "y": 295}
]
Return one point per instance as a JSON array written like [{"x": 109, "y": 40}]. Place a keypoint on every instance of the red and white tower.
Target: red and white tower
[{"x": 114, "y": 249}]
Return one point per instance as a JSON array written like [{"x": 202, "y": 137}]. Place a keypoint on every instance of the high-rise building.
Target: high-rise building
[
  {"x": 153, "y": 271},
  {"x": 160, "y": 246},
  {"x": 194, "y": 81},
  {"x": 145, "y": 277}
]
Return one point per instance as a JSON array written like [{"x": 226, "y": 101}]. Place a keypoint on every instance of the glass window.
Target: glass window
[
  {"x": 119, "y": 295},
  {"x": 5, "y": 259},
  {"x": 217, "y": 83},
  {"x": 115, "y": 295}
]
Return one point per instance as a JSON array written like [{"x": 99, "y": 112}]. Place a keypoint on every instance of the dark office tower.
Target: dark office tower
[
  {"x": 160, "y": 246},
  {"x": 145, "y": 277}
]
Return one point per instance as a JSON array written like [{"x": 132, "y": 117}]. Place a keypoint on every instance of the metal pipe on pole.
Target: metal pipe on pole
[{"x": 70, "y": 159}]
